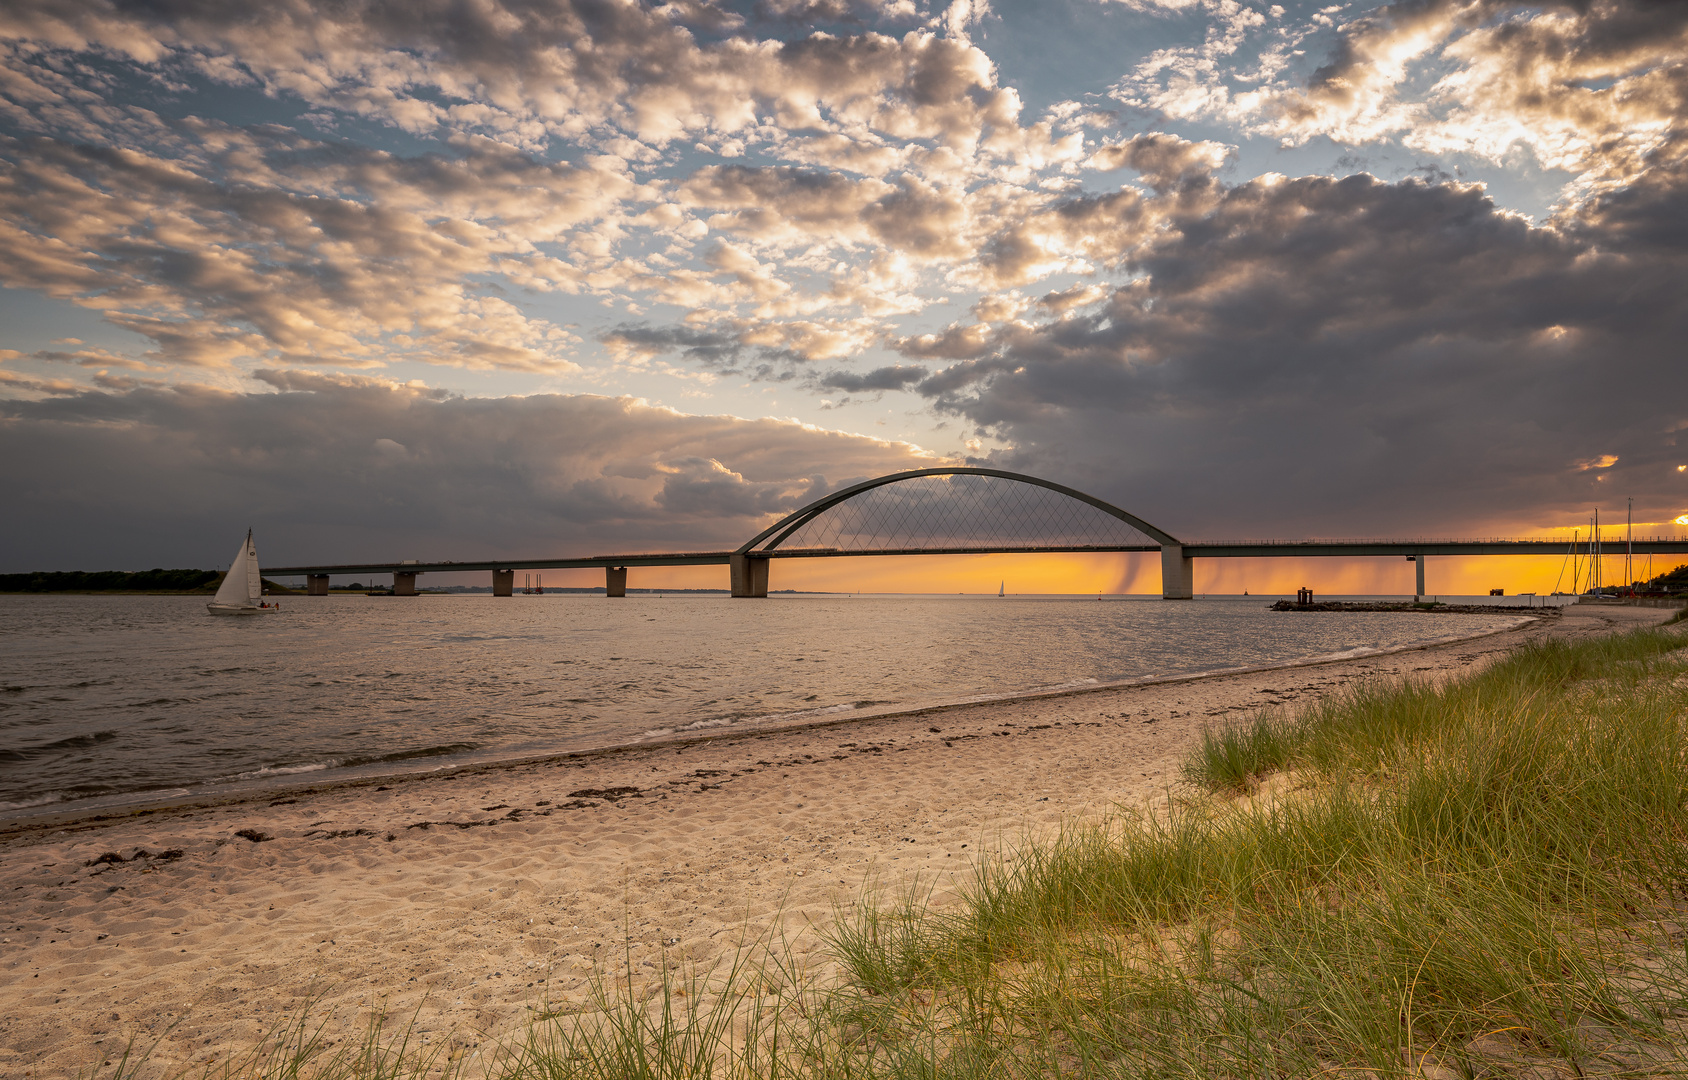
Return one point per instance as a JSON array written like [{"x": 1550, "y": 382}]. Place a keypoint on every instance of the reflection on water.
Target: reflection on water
[{"x": 107, "y": 696}]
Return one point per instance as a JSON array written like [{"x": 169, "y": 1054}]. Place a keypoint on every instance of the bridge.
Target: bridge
[{"x": 957, "y": 510}]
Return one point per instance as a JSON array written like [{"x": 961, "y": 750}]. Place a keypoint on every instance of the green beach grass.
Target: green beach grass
[{"x": 1483, "y": 876}]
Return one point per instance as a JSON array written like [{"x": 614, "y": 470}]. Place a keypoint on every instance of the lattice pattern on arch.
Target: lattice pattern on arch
[{"x": 960, "y": 511}]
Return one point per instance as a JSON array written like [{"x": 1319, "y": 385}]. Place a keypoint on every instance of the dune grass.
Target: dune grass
[
  {"x": 1487, "y": 868},
  {"x": 1409, "y": 879}
]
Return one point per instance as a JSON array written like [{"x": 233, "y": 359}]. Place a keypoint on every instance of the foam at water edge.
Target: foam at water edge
[{"x": 282, "y": 770}]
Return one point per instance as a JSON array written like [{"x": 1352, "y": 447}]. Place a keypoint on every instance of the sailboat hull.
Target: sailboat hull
[{"x": 236, "y": 609}]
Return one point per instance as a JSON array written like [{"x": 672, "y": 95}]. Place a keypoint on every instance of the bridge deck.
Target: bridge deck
[
  {"x": 679, "y": 558},
  {"x": 1254, "y": 549}
]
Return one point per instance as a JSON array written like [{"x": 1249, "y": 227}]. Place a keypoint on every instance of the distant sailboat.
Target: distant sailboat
[
  {"x": 242, "y": 590},
  {"x": 1000, "y": 587}
]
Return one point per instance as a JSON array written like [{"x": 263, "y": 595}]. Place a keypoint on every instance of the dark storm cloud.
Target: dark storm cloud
[
  {"x": 346, "y": 467},
  {"x": 1319, "y": 354}
]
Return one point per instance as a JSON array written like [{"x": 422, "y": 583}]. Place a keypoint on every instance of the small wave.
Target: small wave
[
  {"x": 294, "y": 769},
  {"x": 1355, "y": 653},
  {"x": 30, "y": 803},
  {"x": 769, "y": 718},
  {"x": 74, "y": 742},
  {"x": 83, "y": 799},
  {"x": 143, "y": 796},
  {"x": 410, "y": 755},
  {"x": 288, "y": 770},
  {"x": 1070, "y": 684}
]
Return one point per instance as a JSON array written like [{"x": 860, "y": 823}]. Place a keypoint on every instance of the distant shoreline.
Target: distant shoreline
[{"x": 112, "y": 592}]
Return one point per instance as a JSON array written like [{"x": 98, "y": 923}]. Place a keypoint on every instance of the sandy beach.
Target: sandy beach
[{"x": 473, "y": 895}]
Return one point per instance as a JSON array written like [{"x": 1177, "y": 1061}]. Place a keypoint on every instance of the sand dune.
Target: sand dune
[{"x": 475, "y": 894}]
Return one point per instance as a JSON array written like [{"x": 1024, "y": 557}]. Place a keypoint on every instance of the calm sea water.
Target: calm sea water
[{"x": 119, "y": 699}]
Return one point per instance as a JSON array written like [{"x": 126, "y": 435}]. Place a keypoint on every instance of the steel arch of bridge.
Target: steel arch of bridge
[
  {"x": 749, "y": 562},
  {"x": 783, "y": 528}
]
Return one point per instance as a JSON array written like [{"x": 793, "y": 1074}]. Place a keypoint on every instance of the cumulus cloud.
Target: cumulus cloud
[
  {"x": 824, "y": 11},
  {"x": 266, "y": 246},
  {"x": 529, "y": 71},
  {"x": 1166, "y": 161},
  {"x": 231, "y": 246},
  {"x": 346, "y": 467},
  {"x": 1589, "y": 86}
]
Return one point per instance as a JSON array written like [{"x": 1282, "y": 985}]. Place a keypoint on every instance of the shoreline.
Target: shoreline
[
  {"x": 466, "y": 899},
  {"x": 20, "y": 819}
]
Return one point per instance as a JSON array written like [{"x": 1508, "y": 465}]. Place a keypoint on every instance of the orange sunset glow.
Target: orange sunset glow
[{"x": 1082, "y": 574}]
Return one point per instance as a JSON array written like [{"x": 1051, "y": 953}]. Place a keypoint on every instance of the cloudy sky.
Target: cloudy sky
[{"x": 461, "y": 278}]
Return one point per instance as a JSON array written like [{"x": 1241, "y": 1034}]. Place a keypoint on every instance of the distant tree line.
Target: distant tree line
[
  {"x": 157, "y": 580},
  {"x": 1675, "y": 581}
]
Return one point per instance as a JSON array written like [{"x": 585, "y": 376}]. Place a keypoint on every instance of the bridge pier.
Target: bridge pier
[
  {"x": 1178, "y": 573},
  {"x": 316, "y": 585},
  {"x": 615, "y": 581},
  {"x": 503, "y": 583},
  {"x": 1420, "y": 560},
  {"x": 404, "y": 583},
  {"x": 749, "y": 575}
]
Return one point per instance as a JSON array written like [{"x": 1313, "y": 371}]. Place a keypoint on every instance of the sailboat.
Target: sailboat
[
  {"x": 1000, "y": 587},
  {"x": 242, "y": 590}
]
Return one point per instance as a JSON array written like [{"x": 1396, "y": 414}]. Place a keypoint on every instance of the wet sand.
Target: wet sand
[{"x": 474, "y": 895}]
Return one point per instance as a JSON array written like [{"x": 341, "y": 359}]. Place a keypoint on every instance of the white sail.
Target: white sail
[{"x": 241, "y": 586}]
